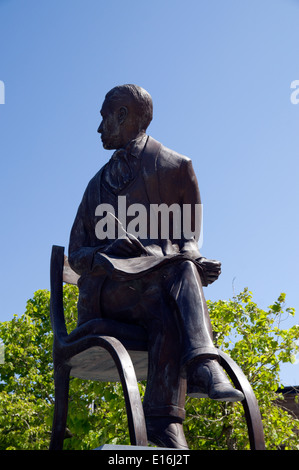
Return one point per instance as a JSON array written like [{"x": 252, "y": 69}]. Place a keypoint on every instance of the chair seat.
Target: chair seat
[
  {"x": 90, "y": 361},
  {"x": 96, "y": 363}
]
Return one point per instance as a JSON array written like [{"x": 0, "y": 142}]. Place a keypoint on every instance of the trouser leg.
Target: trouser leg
[
  {"x": 192, "y": 313},
  {"x": 88, "y": 305},
  {"x": 144, "y": 302},
  {"x": 182, "y": 332},
  {"x": 166, "y": 387},
  {"x": 170, "y": 305}
]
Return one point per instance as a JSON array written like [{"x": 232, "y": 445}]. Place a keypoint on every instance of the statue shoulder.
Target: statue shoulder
[{"x": 168, "y": 158}]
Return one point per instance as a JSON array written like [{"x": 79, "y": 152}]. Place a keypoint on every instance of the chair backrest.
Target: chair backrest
[
  {"x": 60, "y": 272},
  {"x": 56, "y": 284},
  {"x": 133, "y": 337}
]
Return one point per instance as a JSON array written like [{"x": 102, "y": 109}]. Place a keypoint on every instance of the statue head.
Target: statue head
[{"x": 126, "y": 112}]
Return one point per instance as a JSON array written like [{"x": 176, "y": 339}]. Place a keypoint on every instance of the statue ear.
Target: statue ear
[{"x": 122, "y": 114}]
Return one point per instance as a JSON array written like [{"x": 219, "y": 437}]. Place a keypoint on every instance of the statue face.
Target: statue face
[{"x": 111, "y": 127}]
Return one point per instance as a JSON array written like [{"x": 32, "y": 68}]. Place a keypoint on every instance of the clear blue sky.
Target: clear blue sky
[{"x": 219, "y": 73}]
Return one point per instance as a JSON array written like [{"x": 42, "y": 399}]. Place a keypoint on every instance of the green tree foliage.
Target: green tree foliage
[{"x": 253, "y": 337}]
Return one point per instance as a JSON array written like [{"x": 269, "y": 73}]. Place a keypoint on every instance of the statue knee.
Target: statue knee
[{"x": 188, "y": 268}]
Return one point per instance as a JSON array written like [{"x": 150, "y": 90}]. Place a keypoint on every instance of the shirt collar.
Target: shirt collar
[{"x": 136, "y": 146}]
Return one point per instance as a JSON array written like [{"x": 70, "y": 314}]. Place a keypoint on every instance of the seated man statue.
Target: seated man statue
[{"x": 140, "y": 270}]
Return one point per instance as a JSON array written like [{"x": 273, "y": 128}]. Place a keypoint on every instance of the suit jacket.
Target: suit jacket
[{"x": 166, "y": 177}]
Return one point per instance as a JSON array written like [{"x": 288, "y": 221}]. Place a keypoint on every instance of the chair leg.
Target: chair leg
[
  {"x": 61, "y": 380},
  {"x": 135, "y": 414},
  {"x": 250, "y": 405}
]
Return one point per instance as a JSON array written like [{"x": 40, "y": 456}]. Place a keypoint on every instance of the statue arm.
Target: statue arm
[
  {"x": 82, "y": 248},
  {"x": 85, "y": 248},
  {"x": 190, "y": 197},
  {"x": 211, "y": 269}
]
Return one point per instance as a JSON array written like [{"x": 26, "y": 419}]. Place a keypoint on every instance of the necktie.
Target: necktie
[{"x": 119, "y": 173}]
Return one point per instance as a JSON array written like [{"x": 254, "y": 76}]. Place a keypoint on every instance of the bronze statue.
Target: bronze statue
[{"x": 149, "y": 278}]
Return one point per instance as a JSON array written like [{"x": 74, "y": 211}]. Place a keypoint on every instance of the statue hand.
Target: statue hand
[
  {"x": 126, "y": 247},
  {"x": 211, "y": 270}
]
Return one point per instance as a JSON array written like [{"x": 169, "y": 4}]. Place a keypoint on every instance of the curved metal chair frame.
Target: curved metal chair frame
[{"x": 93, "y": 352}]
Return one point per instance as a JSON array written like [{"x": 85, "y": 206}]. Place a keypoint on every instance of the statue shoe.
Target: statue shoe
[
  {"x": 207, "y": 379},
  {"x": 166, "y": 432}
]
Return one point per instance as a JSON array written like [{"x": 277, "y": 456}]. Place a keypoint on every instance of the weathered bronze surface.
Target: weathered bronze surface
[{"x": 145, "y": 281}]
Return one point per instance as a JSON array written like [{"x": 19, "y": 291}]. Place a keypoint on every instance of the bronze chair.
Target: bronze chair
[{"x": 106, "y": 350}]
